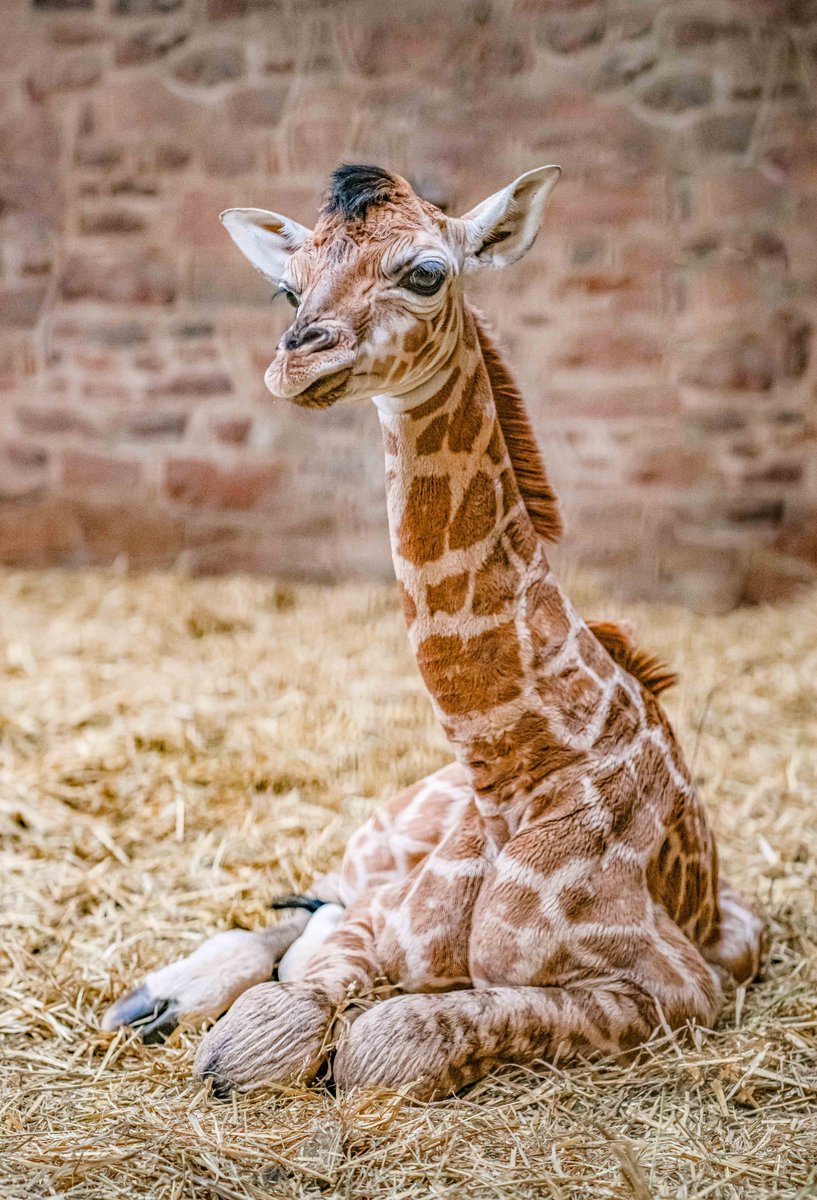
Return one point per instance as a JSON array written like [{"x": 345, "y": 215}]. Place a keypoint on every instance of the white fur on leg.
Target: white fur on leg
[
  {"x": 321, "y": 924},
  {"x": 206, "y": 983}
]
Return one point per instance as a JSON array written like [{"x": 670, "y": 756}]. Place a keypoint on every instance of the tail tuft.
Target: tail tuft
[
  {"x": 310, "y": 903},
  {"x": 617, "y": 639}
]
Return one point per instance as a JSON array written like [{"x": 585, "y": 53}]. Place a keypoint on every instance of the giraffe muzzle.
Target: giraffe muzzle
[{"x": 312, "y": 364}]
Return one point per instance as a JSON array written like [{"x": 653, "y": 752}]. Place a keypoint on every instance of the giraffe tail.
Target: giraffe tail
[
  {"x": 310, "y": 903},
  {"x": 617, "y": 637}
]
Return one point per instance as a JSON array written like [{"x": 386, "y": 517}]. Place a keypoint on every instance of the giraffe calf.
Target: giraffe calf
[{"x": 555, "y": 892}]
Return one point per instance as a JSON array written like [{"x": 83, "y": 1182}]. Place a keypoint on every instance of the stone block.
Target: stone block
[
  {"x": 261, "y": 105},
  {"x": 26, "y": 456},
  {"x": 715, "y": 293},
  {"x": 243, "y": 486},
  {"x": 83, "y": 471},
  {"x": 63, "y": 5},
  {"x": 144, "y": 8},
  {"x": 198, "y": 223},
  {"x": 384, "y": 48},
  {"x": 116, "y": 221},
  {"x": 79, "y": 30},
  {"x": 232, "y": 430},
  {"x": 610, "y": 349},
  {"x": 702, "y": 31},
  {"x": 725, "y": 133},
  {"x": 146, "y": 537},
  {"x": 732, "y": 193},
  {"x": 148, "y": 278},
  {"x": 141, "y": 105},
  {"x": 148, "y": 44},
  {"x": 677, "y": 92},
  {"x": 65, "y": 71},
  {"x": 206, "y": 66},
  {"x": 573, "y": 32},
  {"x": 192, "y": 384},
  {"x": 591, "y": 202},
  {"x": 151, "y": 425},
  {"x": 624, "y": 63},
  {"x": 613, "y": 290},
  {"x": 51, "y": 419},
  {"x": 225, "y": 10},
  {"x": 39, "y": 534},
  {"x": 225, "y": 278},
  {"x": 21, "y": 307}
]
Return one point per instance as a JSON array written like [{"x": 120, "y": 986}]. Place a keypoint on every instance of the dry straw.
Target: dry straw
[{"x": 174, "y": 753}]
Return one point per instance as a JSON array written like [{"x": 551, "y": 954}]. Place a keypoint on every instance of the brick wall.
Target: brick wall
[{"x": 662, "y": 327}]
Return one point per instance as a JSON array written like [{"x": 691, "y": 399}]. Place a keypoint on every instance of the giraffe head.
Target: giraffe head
[{"x": 377, "y": 285}]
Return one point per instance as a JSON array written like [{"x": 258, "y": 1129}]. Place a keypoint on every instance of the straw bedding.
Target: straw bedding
[{"x": 173, "y": 753}]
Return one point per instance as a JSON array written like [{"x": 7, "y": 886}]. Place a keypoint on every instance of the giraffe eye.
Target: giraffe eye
[
  {"x": 290, "y": 296},
  {"x": 426, "y": 279}
]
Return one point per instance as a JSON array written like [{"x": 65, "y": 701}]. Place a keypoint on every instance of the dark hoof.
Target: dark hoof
[
  {"x": 220, "y": 1087},
  {"x": 153, "y": 1017}
]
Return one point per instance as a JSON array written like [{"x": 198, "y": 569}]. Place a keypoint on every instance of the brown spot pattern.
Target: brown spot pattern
[
  {"x": 474, "y": 675},
  {"x": 522, "y": 539},
  {"x": 416, "y": 337},
  {"x": 547, "y": 619},
  {"x": 466, "y": 422},
  {"x": 510, "y": 492},
  {"x": 409, "y": 607},
  {"x": 494, "y": 584},
  {"x": 476, "y": 514},
  {"x": 438, "y": 399},
  {"x": 421, "y": 536},
  {"x": 448, "y": 595},
  {"x": 496, "y": 445},
  {"x": 431, "y": 439}
]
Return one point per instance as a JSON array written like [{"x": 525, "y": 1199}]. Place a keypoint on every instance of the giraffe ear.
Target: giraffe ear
[
  {"x": 504, "y": 227},
  {"x": 266, "y": 238}
]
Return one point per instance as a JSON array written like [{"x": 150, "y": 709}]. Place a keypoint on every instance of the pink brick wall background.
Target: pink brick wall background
[{"x": 662, "y": 328}]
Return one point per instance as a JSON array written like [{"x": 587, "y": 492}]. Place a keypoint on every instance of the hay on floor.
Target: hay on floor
[{"x": 174, "y": 753}]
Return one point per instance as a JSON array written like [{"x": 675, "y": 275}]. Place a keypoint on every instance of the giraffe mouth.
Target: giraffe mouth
[
  {"x": 312, "y": 380},
  {"x": 324, "y": 392}
]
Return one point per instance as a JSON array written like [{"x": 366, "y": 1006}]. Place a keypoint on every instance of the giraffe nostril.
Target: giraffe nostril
[{"x": 311, "y": 338}]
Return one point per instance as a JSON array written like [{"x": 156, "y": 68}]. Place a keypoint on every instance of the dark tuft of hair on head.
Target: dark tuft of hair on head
[{"x": 355, "y": 188}]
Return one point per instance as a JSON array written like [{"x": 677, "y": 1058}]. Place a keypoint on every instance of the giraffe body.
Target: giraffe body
[{"x": 555, "y": 891}]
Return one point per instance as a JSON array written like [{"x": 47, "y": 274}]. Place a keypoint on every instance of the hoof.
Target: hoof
[
  {"x": 201, "y": 986},
  {"x": 153, "y": 1017},
  {"x": 275, "y": 1033}
]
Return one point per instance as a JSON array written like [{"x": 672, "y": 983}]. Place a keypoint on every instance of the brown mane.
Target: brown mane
[
  {"x": 543, "y": 510},
  {"x": 649, "y": 670},
  {"x": 537, "y": 494}
]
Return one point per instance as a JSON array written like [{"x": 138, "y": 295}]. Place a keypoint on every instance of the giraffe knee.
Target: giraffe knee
[
  {"x": 395, "y": 1046},
  {"x": 274, "y": 1033}
]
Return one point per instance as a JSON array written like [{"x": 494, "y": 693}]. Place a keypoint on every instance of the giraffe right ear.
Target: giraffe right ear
[{"x": 266, "y": 238}]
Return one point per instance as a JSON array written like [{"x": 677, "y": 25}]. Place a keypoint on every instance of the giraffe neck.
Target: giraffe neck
[{"x": 486, "y": 619}]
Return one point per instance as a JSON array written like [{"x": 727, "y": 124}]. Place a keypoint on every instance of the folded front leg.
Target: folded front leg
[
  {"x": 436, "y": 1044},
  {"x": 282, "y": 1032}
]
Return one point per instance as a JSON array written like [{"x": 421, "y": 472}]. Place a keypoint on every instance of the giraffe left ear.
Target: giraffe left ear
[{"x": 504, "y": 227}]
